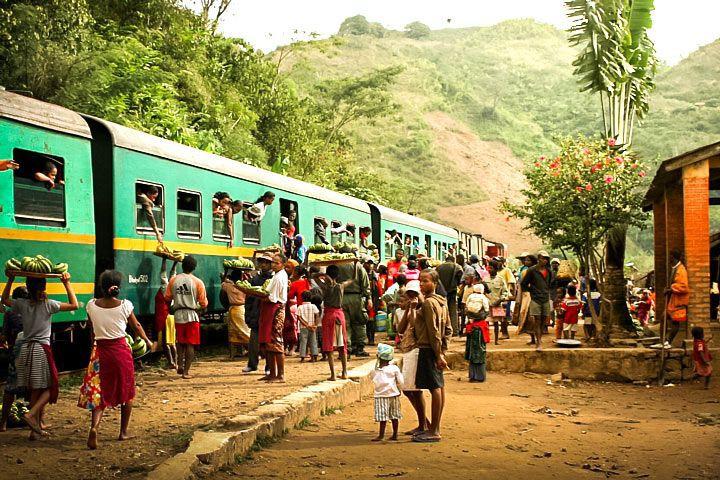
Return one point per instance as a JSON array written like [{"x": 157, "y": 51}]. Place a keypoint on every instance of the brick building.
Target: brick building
[{"x": 680, "y": 197}]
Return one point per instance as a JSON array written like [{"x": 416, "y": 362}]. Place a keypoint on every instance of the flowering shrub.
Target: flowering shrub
[{"x": 573, "y": 198}]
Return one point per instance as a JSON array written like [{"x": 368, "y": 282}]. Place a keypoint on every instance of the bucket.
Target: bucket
[{"x": 381, "y": 321}]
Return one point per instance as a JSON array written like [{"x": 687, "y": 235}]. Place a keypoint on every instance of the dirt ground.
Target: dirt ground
[
  {"x": 167, "y": 411},
  {"x": 514, "y": 425}
]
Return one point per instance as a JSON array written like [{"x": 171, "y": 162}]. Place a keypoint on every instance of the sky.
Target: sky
[{"x": 680, "y": 26}]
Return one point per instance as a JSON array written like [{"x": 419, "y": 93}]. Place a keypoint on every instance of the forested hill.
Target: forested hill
[
  {"x": 438, "y": 123},
  {"x": 478, "y": 102}
]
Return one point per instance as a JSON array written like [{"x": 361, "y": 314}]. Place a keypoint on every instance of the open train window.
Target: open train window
[
  {"x": 250, "y": 228},
  {"x": 320, "y": 230},
  {"x": 149, "y": 189},
  {"x": 438, "y": 253},
  {"x": 351, "y": 233},
  {"x": 39, "y": 189},
  {"x": 289, "y": 210},
  {"x": 428, "y": 246},
  {"x": 189, "y": 214},
  {"x": 415, "y": 244},
  {"x": 336, "y": 232}
]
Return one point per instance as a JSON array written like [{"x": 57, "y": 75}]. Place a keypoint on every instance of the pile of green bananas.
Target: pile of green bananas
[
  {"x": 36, "y": 264},
  {"x": 239, "y": 263},
  {"x": 245, "y": 286},
  {"x": 274, "y": 247},
  {"x": 345, "y": 247},
  {"x": 324, "y": 257},
  {"x": 320, "y": 248}
]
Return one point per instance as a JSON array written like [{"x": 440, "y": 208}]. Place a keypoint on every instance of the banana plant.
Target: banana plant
[{"x": 617, "y": 61}]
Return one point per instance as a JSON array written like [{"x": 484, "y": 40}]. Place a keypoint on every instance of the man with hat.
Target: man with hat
[
  {"x": 357, "y": 301},
  {"x": 252, "y": 312},
  {"x": 537, "y": 281}
]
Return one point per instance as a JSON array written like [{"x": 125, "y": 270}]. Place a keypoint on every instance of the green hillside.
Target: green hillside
[{"x": 510, "y": 83}]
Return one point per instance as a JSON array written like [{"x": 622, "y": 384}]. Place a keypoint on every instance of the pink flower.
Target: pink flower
[
  {"x": 579, "y": 189},
  {"x": 537, "y": 164},
  {"x": 642, "y": 174},
  {"x": 609, "y": 179},
  {"x": 634, "y": 166},
  {"x": 619, "y": 160},
  {"x": 554, "y": 164},
  {"x": 555, "y": 173},
  {"x": 586, "y": 151},
  {"x": 588, "y": 187},
  {"x": 596, "y": 167},
  {"x": 611, "y": 142},
  {"x": 542, "y": 158}
]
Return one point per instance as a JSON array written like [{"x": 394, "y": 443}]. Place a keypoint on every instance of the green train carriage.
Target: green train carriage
[{"x": 125, "y": 159}]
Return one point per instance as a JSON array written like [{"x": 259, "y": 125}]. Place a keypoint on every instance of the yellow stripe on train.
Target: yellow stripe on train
[
  {"x": 46, "y": 236},
  {"x": 149, "y": 245},
  {"x": 57, "y": 288}
]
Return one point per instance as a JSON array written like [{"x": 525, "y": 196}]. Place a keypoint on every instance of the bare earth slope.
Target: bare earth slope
[{"x": 494, "y": 170}]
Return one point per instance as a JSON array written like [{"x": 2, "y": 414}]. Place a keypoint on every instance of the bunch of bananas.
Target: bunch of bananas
[
  {"x": 238, "y": 263},
  {"x": 36, "y": 264},
  {"x": 245, "y": 286},
  {"x": 163, "y": 251},
  {"x": 320, "y": 248},
  {"x": 324, "y": 257}
]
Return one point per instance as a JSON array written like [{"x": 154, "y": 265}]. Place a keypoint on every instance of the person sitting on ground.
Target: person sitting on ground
[
  {"x": 334, "y": 329},
  {"x": 309, "y": 317},
  {"x": 387, "y": 382},
  {"x": 570, "y": 308},
  {"x": 477, "y": 333},
  {"x": 112, "y": 359},
  {"x": 48, "y": 175},
  {"x": 35, "y": 362},
  {"x": 146, "y": 197},
  {"x": 188, "y": 296},
  {"x": 701, "y": 356}
]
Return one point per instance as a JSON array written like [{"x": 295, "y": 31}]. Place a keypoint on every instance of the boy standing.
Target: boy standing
[
  {"x": 334, "y": 330},
  {"x": 388, "y": 381},
  {"x": 188, "y": 296},
  {"x": 309, "y": 315}
]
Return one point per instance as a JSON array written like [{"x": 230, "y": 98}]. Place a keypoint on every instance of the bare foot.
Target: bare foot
[
  {"x": 3, "y": 427},
  {"x": 377, "y": 439},
  {"x": 277, "y": 380},
  {"x": 394, "y": 437},
  {"x": 179, "y": 370},
  {"x": 332, "y": 378},
  {"x": 124, "y": 436},
  {"x": 92, "y": 439},
  {"x": 186, "y": 376},
  {"x": 264, "y": 378},
  {"x": 32, "y": 423},
  {"x": 45, "y": 426},
  {"x": 415, "y": 431},
  {"x": 344, "y": 376}
]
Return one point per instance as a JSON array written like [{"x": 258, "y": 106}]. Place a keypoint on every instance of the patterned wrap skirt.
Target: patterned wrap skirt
[
  {"x": 387, "y": 408},
  {"x": 238, "y": 331},
  {"x": 272, "y": 320},
  {"x": 110, "y": 377}
]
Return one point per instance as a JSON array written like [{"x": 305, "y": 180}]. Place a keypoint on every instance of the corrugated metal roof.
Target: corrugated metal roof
[
  {"x": 412, "y": 221},
  {"x": 143, "y": 142},
  {"x": 46, "y": 115}
]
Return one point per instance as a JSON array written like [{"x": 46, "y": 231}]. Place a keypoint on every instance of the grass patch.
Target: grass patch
[
  {"x": 303, "y": 424},
  {"x": 71, "y": 382},
  {"x": 331, "y": 410}
]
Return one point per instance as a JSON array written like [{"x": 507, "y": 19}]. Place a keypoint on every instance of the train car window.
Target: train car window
[
  {"x": 336, "y": 232},
  {"x": 415, "y": 245},
  {"x": 365, "y": 236},
  {"x": 437, "y": 250},
  {"x": 428, "y": 246},
  {"x": 142, "y": 222},
  {"x": 320, "y": 230},
  {"x": 250, "y": 228},
  {"x": 351, "y": 233},
  {"x": 289, "y": 210},
  {"x": 39, "y": 189},
  {"x": 189, "y": 214}
]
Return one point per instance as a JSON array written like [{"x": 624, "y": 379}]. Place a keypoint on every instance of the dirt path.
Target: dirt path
[
  {"x": 167, "y": 411},
  {"x": 503, "y": 429}
]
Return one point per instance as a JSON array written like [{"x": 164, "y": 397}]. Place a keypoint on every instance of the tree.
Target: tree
[
  {"x": 618, "y": 62},
  {"x": 417, "y": 30},
  {"x": 212, "y": 10},
  {"x": 357, "y": 25},
  {"x": 348, "y": 99},
  {"x": 575, "y": 198}
]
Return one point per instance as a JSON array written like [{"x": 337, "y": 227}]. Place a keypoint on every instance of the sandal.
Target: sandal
[{"x": 426, "y": 438}]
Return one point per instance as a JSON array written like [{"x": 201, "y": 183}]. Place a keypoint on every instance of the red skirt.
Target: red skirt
[
  {"x": 55, "y": 383},
  {"x": 270, "y": 334},
  {"x": 188, "y": 333},
  {"x": 290, "y": 330},
  {"x": 332, "y": 319},
  {"x": 117, "y": 372}
]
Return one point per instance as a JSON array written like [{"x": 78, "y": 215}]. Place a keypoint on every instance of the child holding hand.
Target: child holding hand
[{"x": 388, "y": 381}]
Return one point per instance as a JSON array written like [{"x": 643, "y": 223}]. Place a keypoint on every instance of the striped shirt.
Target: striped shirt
[{"x": 308, "y": 313}]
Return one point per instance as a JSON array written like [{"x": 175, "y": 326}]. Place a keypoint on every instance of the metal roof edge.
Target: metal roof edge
[
  {"x": 412, "y": 221},
  {"x": 42, "y": 114}
]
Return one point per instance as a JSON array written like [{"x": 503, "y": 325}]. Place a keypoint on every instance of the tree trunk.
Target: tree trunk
[{"x": 616, "y": 321}]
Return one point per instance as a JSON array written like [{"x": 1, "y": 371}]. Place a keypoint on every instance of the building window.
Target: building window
[
  {"x": 189, "y": 214},
  {"x": 143, "y": 225},
  {"x": 250, "y": 227},
  {"x": 39, "y": 189}
]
